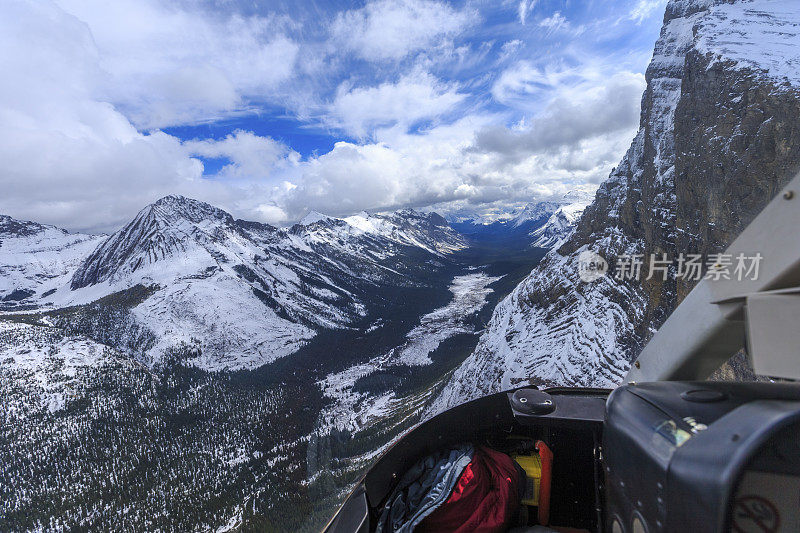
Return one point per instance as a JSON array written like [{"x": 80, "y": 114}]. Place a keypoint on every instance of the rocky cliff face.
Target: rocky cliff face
[{"x": 719, "y": 136}]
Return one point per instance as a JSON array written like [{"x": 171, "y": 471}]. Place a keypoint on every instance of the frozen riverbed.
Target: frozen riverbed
[{"x": 353, "y": 410}]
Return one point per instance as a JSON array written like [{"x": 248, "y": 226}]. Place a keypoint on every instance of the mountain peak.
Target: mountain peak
[
  {"x": 172, "y": 224},
  {"x": 534, "y": 211},
  {"x": 577, "y": 196},
  {"x": 173, "y": 207},
  {"x": 22, "y": 228},
  {"x": 173, "y": 199},
  {"x": 313, "y": 217}
]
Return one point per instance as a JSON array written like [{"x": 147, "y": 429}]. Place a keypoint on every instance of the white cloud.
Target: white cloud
[
  {"x": 78, "y": 82},
  {"x": 165, "y": 65},
  {"x": 577, "y": 139},
  {"x": 392, "y": 29},
  {"x": 399, "y": 169},
  {"x": 522, "y": 79},
  {"x": 509, "y": 48},
  {"x": 525, "y": 7},
  {"x": 645, "y": 8},
  {"x": 251, "y": 157},
  {"x": 584, "y": 105},
  {"x": 69, "y": 158},
  {"x": 554, "y": 22},
  {"x": 528, "y": 86},
  {"x": 444, "y": 164},
  {"x": 415, "y": 97}
]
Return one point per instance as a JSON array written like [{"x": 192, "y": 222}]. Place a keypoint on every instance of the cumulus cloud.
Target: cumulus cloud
[
  {"x": 392, "y": 29},
  {"x": 576, "y": 140},
  {"x": 445, "y": 165},
  {"x": 398, "y": 169},
  {"x": 413, "y": 98},
  {"x": 587, "y": 109},
  {"x": 87, "y": 85},
  {"x": 250, "y": 156},
  {"x": 65, "y": 153},
  {"x": 71, "y": 159},
  {"x": 165, "y": 66}
]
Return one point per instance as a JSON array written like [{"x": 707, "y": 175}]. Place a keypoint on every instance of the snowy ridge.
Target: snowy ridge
[
  {"x": 555, "y": 329},
  {"x": 242, "y": 294},
  {"x": 538, "y": 224},
  {"x": 523, "y": 344},
  {"x": 160, "y": 231},
  {"x": 35, "y": 259},
  {"x": 763, "y": 36},
  {"x": 514, "y": 216},
  {"x": 534, "y": 212},
  {"x": 211, "y": 283},
  {"x": 559, "y": 226},
  {"x": 313, "y": 217},
  {"x": 429, "y": 231}
]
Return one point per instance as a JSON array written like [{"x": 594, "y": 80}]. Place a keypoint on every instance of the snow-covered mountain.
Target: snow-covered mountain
[
  {"x": 534, "y": 212},
  {"x": 362, "y": 318},
  {"x": 558, "y": 226},
  {"x": 240, "y": 294},
  {"x": 540, "y": 224},
  {"x": 718, "y": 138},
  {"x": 561, "y": 223},
  {"x": 426, "y": 231},
  {"x": 35, "y": 259}
]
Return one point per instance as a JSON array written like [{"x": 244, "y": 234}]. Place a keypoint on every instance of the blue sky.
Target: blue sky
[{"x": 276, "y": 108}]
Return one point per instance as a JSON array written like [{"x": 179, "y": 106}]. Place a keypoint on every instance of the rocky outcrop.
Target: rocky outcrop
[{"x": 718, "y": 138}]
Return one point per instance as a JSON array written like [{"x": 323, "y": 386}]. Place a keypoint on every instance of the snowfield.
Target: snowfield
[{"x": 762, "y": 35}]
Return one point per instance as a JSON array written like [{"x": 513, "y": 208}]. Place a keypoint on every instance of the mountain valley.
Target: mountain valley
[
  {"x": 260, "y": 362},
  {"x": 195, "y": 371}
]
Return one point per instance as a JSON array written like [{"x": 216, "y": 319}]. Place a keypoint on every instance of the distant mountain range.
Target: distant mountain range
[
  {"x": 539, "y": 224},
  {"x": 247, "y": 293}
]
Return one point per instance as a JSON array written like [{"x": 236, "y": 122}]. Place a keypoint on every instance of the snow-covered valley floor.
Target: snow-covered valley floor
[{"x": 353, "y": 410}]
